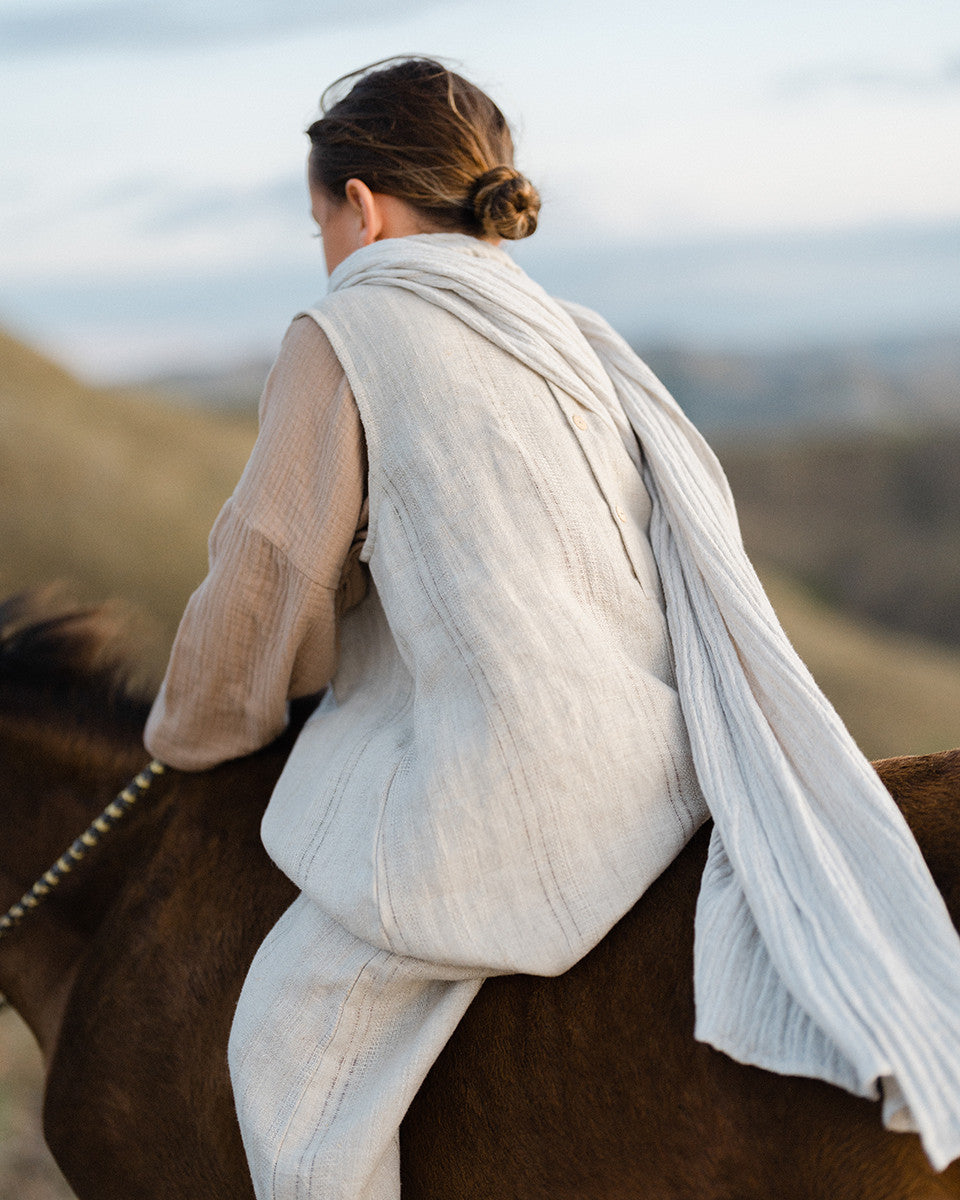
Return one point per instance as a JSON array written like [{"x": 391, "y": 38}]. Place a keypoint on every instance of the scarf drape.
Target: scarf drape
[{"x": 823, "y": 947}]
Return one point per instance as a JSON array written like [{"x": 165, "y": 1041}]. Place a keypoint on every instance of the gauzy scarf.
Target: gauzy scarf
[{"x": 822, "y": 945}]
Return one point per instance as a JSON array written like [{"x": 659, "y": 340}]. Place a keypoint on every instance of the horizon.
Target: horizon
[
  {"x": 736, "y": 177},
  {"x": 737, "y": 294}
]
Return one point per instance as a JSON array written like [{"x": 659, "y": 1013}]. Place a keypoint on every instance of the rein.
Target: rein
[{"x": 91, "y": 837}]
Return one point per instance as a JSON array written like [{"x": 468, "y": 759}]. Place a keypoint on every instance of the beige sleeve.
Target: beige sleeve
[{"x": 284, "y": 561}]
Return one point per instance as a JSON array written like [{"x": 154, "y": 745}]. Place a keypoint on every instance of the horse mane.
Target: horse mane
[{"x": 60, "y": 657}]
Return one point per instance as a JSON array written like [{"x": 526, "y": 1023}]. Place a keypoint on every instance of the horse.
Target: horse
[{"x": 586, "y": 1086}]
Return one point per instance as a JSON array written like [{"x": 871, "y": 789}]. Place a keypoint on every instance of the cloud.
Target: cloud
[
  {"x": 169, "y": 24},
  {"x": 144, "y": 222},
  {"x": 168, "y": 211},
  {"x": 151, "y": 202},
  {"x": 875, "y": 80}
]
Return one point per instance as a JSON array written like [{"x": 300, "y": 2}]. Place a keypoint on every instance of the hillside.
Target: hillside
[
  {"x": 869, "y": 522},
  {"x": 114, "y": 491},
  {"x": 911, "y": 380},
  {"x": 897, "y": 693}
]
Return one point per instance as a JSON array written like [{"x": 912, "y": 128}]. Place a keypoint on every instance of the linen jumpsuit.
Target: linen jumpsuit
[{"x": 471, "y": 797}]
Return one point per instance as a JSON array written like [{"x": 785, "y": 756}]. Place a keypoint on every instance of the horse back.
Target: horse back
[{"x": 587, "y": 1085}]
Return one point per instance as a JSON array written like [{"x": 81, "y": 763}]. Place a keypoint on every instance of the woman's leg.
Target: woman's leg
[{"x": 331, "y": 1039}]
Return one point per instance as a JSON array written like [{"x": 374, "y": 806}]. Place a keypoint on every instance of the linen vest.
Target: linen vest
[{"x": 500, "y": 767}]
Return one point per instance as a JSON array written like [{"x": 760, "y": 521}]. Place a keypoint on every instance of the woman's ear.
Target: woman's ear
[{"x": 366, "y": 208}]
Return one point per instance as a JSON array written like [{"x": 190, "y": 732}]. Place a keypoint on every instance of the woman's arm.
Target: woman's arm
[{"x": 261, "y": 628}]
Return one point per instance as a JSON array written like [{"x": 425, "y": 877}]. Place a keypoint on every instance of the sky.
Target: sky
[{"x": 713, "y": 171}]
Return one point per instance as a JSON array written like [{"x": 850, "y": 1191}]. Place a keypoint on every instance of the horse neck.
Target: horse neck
[{"x": 54, "y": 779}]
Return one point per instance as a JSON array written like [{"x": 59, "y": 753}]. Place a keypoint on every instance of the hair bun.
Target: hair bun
[{"x": 505, "y": 203}]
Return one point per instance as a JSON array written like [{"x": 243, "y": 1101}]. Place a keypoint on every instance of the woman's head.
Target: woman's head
[{"x": 414, "y": 130}]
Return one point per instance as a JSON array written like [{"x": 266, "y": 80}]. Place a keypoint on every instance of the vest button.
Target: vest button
[
  {"x": 621, "y": 515},
  {"x": 579, "y": 421}
]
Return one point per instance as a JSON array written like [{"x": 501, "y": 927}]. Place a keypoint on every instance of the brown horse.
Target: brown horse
[{"x": 587, "y": 1086}]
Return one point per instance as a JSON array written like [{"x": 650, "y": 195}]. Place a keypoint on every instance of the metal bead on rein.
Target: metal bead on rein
[{"x": 115, "y": 811}]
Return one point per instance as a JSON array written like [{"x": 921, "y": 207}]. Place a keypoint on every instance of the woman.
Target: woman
[{"x": 475, "y": 514}]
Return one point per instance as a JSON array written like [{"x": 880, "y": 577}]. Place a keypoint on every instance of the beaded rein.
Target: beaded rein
[{"x": 115, "y": 811}]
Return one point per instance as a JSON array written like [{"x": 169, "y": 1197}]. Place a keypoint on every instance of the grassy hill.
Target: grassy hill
[
  {"x": 114, "y": 491},
  {"x": 898, "y": 693},
  {"x": 870, "y": 522}
]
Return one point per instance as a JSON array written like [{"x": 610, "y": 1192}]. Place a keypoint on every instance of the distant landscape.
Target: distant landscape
[
  {"x": 879, "y": 383},
  {"x": 844, "y": 459},
  {"x": 868, "y": 521},
  {"x": 874, "y": 385},
  {"x": 111, "y": 490},
  {"x": 846, "y": 467},
  {"x": 838, "y": 288}
]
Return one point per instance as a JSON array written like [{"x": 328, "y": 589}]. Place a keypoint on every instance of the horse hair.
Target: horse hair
[{"x": 56, "y": 654}]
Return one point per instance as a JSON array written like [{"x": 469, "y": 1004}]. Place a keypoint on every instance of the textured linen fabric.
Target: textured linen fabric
[
  {"x": 823, "y": 946},
  {"x": 480, "y": 789},
  {"x": 549, "y": 823},
  {"x": 331, "y": 1040},
  {"x": 500, "y": 767},
  {"x": 284, "y": 561}
]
